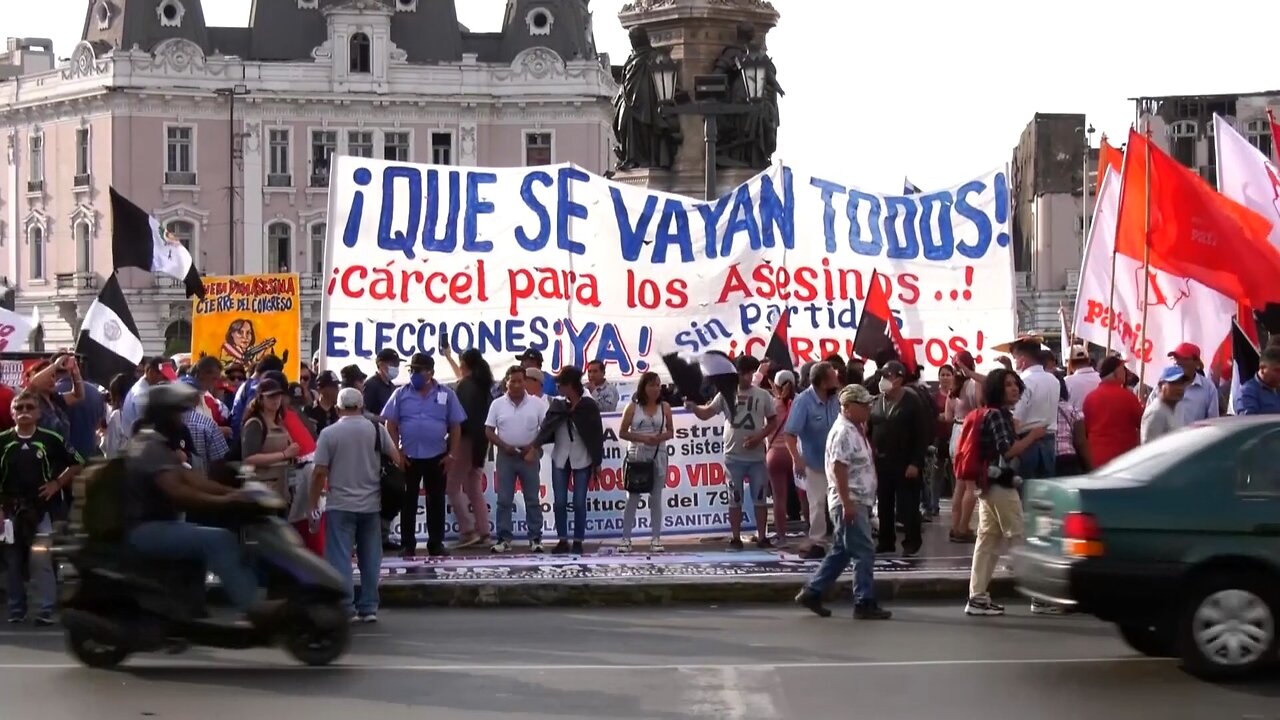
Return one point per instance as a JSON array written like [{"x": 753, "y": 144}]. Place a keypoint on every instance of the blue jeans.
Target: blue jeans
[
  {"x": 1039, "y": 460},
  {"x": 343, "y": 529},
  {"x": 560, "y": 487},
  {"x": 756, "y": 477},
  {"x": 41, "y": 570},
  {"x": 509, "y": 468},
  {"x": 217, "y": 548},
  {"x": 852, "y": 543}
]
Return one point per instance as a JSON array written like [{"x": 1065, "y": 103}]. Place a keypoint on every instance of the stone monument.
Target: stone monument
[{"x": 703, "y": 37}]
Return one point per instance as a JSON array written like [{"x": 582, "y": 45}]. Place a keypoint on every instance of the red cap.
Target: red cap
[
  {"x": 168, "y": 372},
  {"x": 1186, "y": 350}
]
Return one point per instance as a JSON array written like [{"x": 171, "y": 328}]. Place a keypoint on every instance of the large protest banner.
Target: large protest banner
[
  {"x": 696, "y": 498},
  {"x": 582, "y": 268},
  {"x": 244, "y": 318}
]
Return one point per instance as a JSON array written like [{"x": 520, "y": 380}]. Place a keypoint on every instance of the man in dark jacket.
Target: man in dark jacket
[
  {"x": 899, "y": 442},
  {"x": 573, "y": 423}
]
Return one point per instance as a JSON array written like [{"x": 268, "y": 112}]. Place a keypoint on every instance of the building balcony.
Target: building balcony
[
  {"x": 77, "y": 282},
  {"x": 81, "y": 181},
  {"x": 310, "y": 282},
  {"x": 180, "y": 178},
  {"x": 320, "y": 179},
  {"x": 279, "y": 181},
  {"x": 35, "y": 186}
]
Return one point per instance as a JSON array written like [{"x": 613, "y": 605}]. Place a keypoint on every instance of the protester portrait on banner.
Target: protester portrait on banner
[
  {"x": 244, "y": 318},
  {"x": 582, "y": 268}
]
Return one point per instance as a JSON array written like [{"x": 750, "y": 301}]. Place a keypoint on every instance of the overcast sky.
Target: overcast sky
[{"x": 936, "y": 90}]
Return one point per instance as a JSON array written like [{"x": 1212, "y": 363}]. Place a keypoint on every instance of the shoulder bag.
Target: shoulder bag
[
  {"x": 392, "y": 478},
  {"x": 638, "y": 475}
]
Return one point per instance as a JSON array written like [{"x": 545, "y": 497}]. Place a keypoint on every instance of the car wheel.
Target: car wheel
[
  {"x": 1150, "y": 640},
  {"x": 1228, "y": 626}
]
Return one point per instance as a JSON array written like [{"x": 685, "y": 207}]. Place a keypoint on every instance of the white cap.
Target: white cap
[
  {"x": 350, "y": 399},
  {"x": 783, "y": 377}
]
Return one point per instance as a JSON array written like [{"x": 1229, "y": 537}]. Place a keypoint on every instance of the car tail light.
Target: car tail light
[{"x": 1081, "y": 535}]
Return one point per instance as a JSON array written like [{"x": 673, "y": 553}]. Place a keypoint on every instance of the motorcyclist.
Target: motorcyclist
[{"x": 157, "y": 485}]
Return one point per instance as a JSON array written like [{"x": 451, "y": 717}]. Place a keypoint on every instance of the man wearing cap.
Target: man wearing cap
[
  {"x": 851, "y": 472},
  {"x": 1260, "y": 394},
  {"x": 348, "y": 464},
  {"x": 378, "y": 389},
  {"x": 424, "y": 419},
  {"x": 353, "y": 377},
  {"x": 812, "y": 416},
  {"x": 324, "y": 412},
  {"x": 1161, "y": 417},
  {"x": 531, "y": 359},
  {"x": 1200, "y": 399},
  {"x": 1083, "y": 379},
  {"x": 899, "y": 427},
  {"x": 535, "y": 384},
  {"x": 1037, "y": 407}
]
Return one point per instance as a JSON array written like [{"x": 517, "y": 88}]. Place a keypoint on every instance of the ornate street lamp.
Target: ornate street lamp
[
  {"x": 755, "y": 74},
  {"x": 664, "y": 71}
]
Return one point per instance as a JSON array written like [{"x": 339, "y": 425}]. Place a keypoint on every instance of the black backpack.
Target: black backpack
[{"x": 102, "y": 511}]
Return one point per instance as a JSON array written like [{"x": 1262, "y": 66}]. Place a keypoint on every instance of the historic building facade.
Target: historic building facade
[{"x": 226, "y": 134}]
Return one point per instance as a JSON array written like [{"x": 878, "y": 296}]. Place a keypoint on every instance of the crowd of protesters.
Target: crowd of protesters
[{"x": 860, "y": 461}]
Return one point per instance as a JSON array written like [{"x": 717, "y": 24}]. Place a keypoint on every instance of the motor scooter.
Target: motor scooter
[{"x": 124, "y": 603}]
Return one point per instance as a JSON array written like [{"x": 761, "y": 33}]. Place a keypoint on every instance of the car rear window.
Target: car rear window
[{"x": 1149, "y": 460}]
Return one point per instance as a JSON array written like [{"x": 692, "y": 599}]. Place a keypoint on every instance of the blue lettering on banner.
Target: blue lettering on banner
[
  {"x": 475, "y": 208},
  {"x": 433, "y": 240},
  {"x": 538, "y": 240},
  {"x": 569, "y": 209}
]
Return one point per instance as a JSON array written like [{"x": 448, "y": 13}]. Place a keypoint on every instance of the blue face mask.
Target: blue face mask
[{"x": 418, "y": 381}]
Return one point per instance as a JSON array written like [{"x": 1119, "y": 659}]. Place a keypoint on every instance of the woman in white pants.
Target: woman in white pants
[{"x": 646, "y": 425}]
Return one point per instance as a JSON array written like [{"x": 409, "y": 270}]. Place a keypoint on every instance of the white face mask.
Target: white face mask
[
  {"x": 393, "y": 372},
  {"x": 885, "y": 384}
]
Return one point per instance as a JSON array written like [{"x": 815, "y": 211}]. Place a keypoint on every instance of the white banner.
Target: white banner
[
  {"x": 583, "y": 268},
  {"x": 1247, "y": 176},
  {"x": 1179, "y": 309},
  {"x": 14, "y": 330},
  {"x": 696, "y": 498}
]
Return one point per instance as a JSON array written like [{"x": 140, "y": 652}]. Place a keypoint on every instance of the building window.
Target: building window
[
  {"x": 170, "y": 13},
  {"x": 537, "y": 148},
  {"x": 441, "y": 148},
  {"x": 395, "y": 146},
  {"x": 278, "y": 174},
  {"x": 180, "y": 152},
  {"x": 360, "y": 143},
  {"x": 84, "y": 149},
  {"x": 35, "y": 173},
  {"x": 318, "y": 232},
  {"x": 1182, "y": 142},
  {"x": 324, "y": 143},
  {"x": 35, "y": 240},
  {"x": 1259, "y": 134},
  {"x": 361, "y": 54},
  {"x": 279, "y": 242},
  {"x": 84, "y": 248},
  {"x": 177, "y": 338},
  {"x": 184, "y": 231}
]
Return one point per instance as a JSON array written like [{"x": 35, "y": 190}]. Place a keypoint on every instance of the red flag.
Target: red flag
[
  {"x": 878, "y": 331},
  {"x": 299, "y": 433},
  {"x": 1192, "y": 230},
  {"x": 778, "y": 353},
  {"x": 1108, "y": 158}
]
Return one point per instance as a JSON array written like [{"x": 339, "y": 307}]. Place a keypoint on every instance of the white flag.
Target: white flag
[
  {"x": 14, "y": 330},
  {"x": 1179, "y": 309},
  {"x": 1247, "y": 176}
]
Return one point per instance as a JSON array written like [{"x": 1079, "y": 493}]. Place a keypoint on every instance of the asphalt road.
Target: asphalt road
[{"x": 725, "y": 663}]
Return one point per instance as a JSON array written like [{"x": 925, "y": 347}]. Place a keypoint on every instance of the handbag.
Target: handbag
[
  {"x": 391, "y": 480},
  {"x": 638, "y": 475}
]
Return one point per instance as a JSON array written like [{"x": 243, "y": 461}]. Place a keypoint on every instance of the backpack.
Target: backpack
[
  {"x": 967, "y": 463},
  {"x": 102, "y": 512}
]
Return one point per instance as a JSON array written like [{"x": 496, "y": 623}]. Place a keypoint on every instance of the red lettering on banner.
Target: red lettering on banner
[
  {"x": 648, "y": 294},
  {"x": 936, "y": 351},
  {"x": 1098, "y": 313},
  {"x": 546, "y": 283},
  {"x": 704, "y": 474},
  {"x": 810, "y": 284},
  {"x": 410, "y": 286}
]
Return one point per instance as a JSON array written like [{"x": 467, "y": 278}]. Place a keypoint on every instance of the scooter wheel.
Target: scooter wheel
[
  {"x": 318, "y": 635},
  {"x": 92, "y": 653}
]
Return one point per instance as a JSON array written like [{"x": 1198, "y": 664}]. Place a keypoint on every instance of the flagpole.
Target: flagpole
[
  {"x": 1111, "y": 299},
  {"x": 1146, "y": 265}
]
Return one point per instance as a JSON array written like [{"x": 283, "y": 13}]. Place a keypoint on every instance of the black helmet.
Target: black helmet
[{"x": 164, "y": 402}]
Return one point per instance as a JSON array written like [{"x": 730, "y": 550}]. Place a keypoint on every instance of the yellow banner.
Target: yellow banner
[{"x": 245, "y": 318}]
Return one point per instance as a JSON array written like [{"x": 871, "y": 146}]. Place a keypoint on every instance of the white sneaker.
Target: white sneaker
[
  {"x": 500, "y": 547},
  {"x": 656, "y": 547},
  {"x": 1044, "y": 608},
  {"x": 535, "y": 547},
  {"x": 624, "y": 547},
  {"x": 982, "y": 606}
]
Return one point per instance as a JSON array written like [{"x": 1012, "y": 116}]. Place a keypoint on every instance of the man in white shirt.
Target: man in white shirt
[
  {"x": 1038, "y": 407},
  {"x": 1083, "y": 379},
  {"x": 512, "y": 429},
  {"x": 851, "y": 491}
]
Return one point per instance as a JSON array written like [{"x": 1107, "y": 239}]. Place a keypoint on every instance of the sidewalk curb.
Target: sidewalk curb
[{"x": 632, "y": 593}]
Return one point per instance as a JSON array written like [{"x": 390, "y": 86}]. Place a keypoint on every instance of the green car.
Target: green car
[{"x": 1176, "y": 542}]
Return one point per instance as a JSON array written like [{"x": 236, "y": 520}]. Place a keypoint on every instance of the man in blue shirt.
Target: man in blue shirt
[
  {"x": 1201, "y": 399},
  {"x": 812, "y": 414},
  {"x": 1260, "y": 395},
  {"x": 424, "y": 419}
]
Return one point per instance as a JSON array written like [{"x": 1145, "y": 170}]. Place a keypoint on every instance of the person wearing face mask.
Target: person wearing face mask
[
  {"x": 805, "y": 432},
  {"x": 424, "y": 420},
  {"x": 378, "y": 389},
  {"x": 900, "y": 433}
]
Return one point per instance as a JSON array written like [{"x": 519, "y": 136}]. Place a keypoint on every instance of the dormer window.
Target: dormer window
[
  {"x": 102, "y": 14},
  {"x": 406, "y": 5},
  {"x": 361, "y": 54},
  {"x": 308, "y": 4},
  {"x": 170, "y": 13},
  {"x": 539, "y": 21}
]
